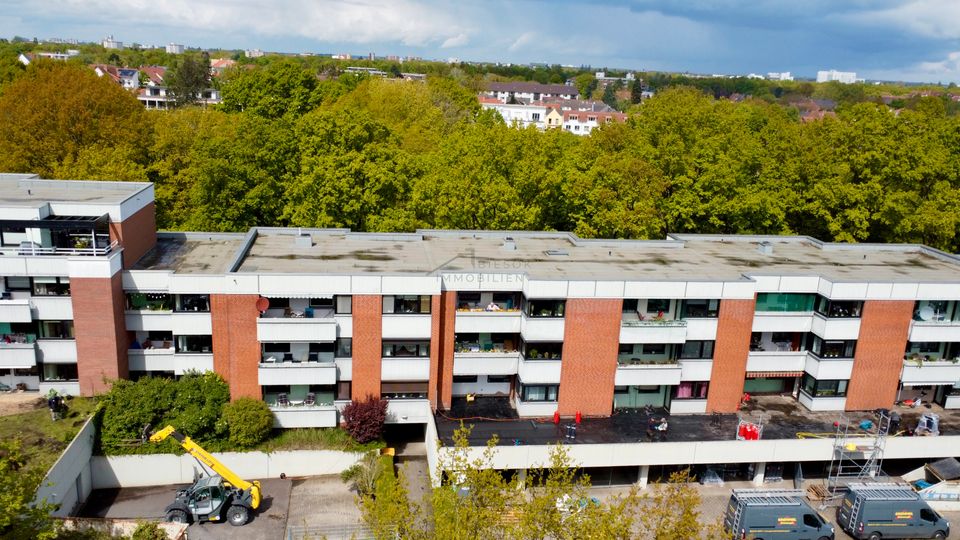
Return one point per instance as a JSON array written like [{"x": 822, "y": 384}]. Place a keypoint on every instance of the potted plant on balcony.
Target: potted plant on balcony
[{"x": 81, "y": 243}]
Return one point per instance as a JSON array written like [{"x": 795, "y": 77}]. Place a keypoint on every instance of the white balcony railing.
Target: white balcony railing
[
  {"x": 539, "y": 371},
  {"x": 776, "y": 321},
  {"x": 837, "y": 328},
  {"x": 776, "y": 361},
  {"x": 17, "y": 355},
  {"x": 304, "y": 416},
  {"x": 57, "y": 351},
  {"x": 541, "y": 329},
  {"x": 407, "y": 326},
  {"x": 296, "y": 330},
  {"x": 408, "y": 368},
  {"x": 36, "y": 251},
  {"x": 15, "y": 311},
  {"x": 408, "y": 411},
  {"x": 931, "y": 331},
  {"x": 930, "y": 372},
  {"x": 485, "y": 363},
  {"x": 648, "y": 374},
  {"x": 828, "y": 368},
  {"x": 650, "y": 331},
  {"x": 478, "y": 322},
  {"x": 291, "y": 373}
]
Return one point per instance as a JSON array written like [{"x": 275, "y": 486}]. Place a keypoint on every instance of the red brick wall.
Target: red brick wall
[
  {"x": 443, "y": 310},
  {"x": 236, "y": 351},
  {"x": 591, "y": 339},
  {"x": 367, "y": 353},
  {"x": 137, "y": 234},
  {"x": 100, "y": 328},
  {"x": 734, "y": 327},
  {"x": 884, "y": 328}
]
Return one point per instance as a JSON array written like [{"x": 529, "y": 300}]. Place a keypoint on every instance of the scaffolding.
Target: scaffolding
[{"x": 857, "y": 452}]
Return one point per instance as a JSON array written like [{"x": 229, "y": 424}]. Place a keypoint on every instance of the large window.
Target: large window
[
  {"x": 406, "y": 348},
  {"x": 826, "y": 388},
  {"x": 404, "y": 390},
  {"x": 17, "y": 283},
  {"x": 700, "y": 309},
  {"x": 838, "y": 309},
  {"x": 831, "y": 348},
  {"x": 539, "y": 392},
  {"x": 51, "y": 286},
  {"x": 790, "y": 302},
  {"x": 12, "y": 236},
  {"x": 691, "y": 390},
  {"x": 933, "y": 311},
  {"x": 193, "y": 302},
  {"x": 194, "y": 344},
  {"x": 542, "y": 350},
  {"x": 486, "y": 342},
  {"x": 56, "y": 329},
  {"x": 545, "y": 308},
  {"x": 58, "y": 372},
  {"x": 696, "y": 349},
  {"x": 149, "y": 301},
  {"x": 406, "y": 304},
  {"x": 344, "y": 347}
]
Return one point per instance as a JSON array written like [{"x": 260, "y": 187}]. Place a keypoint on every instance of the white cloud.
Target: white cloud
[
  {"x": 456, "y": 41},
  {"x": 522, "y": 42},
  {"x": 936, "y": 19},
  {"x": 945, "y": 71}
]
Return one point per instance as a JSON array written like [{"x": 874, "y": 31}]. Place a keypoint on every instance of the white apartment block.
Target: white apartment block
[{"x": 845, "y": 77}]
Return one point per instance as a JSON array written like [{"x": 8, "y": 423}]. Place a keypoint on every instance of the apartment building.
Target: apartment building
[{"x": 309, "y": 319}]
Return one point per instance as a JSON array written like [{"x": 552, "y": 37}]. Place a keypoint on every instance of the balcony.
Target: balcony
[
  {"x": 15, "y": 311},
  {"x": 407, "y": 326},
  {"x": 32, "y": 249},
  {"x": 486, "y": 363},
  {"x": 541, "y": 328},
  {"x": 405, "y": 369},
  {"x": 57, "y": 351},
  {"x": 934, "y": 330},
  {"x": 779, "y": 321},
  {"x": 496, "y": 322},
  {"x": 294, "y": 329},
  {"x": 539, "y": 371},
  {"x": 828, "y": 368},
  {"x": 759, "y": 361},
  {"x": 647, "y": 373},
  {"x": 148, "y": 320},
  {"x": 918, "y": 372},
  {"x": 534, "y": 409},
  {"x": 191, "y": 323},
  {"x": 297, "y": 373},
  {"x": 166, "y": 359},
  {"x": 696, "y": 369},
  {"x": 17, "y": 355},
  {"x": 304, "y": 416},
  {"x": 634, "y": 330},
  {"x": 834, "y": 329}
]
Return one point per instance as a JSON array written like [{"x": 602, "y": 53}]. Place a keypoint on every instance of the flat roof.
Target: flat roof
[
  {"x": 27, "y": 190},
  {"x": 549, "y": 255},
  {"x": 192, "y": 253}
]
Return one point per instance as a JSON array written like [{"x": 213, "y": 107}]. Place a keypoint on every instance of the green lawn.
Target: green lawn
[
  {"x": 314, "y": 439},
  {"x": 42, "y": 439}
]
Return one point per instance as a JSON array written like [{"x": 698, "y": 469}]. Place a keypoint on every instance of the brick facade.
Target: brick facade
[
  {"x": 591, "y": 339},
  {"x": 734, "y": 327},
  {"x": 236, "y": 351},
  {"x": 444, "y": 310},
  {"x": 100, "y": 328},
  {"x": 367, "y": 348},
  {"x": 884, "y": 328},
  {"x": 137, "y": 234}
]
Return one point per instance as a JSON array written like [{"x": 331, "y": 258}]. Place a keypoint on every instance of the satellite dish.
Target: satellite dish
[
  {"x": 262, "y": 304},
  {"x": 926, "y": 313}
]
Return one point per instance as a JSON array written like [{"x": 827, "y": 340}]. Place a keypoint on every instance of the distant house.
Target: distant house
[
  {"x": 26, "y": 58},
  {"x": 153, "y": 75},
  {"x": 128, "y": 78},
  {"x": 253, "y": 53},
  {"x": 174, "y": 48},
  {"x": 517, "y": 114},
  {"x": 219, "y": 65},
  {"x": 845, "y": 77},
  {"x": 582, "y": 123},
  {"x": 159, "y": 97},
  {"x": 110, "y": 43},
  {"x": 526, "y": 92},
  {"x": 576, "y": 105},
  {"x": 554, "y": 118}
]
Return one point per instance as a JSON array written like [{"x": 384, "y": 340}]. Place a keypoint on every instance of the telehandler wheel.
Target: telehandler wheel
[{"x": 237, "y": 515}]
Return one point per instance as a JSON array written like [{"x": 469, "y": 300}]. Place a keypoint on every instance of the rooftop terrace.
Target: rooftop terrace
[
  {"x": 27, "y": 190},
  {"x": 547, "y": 255}
]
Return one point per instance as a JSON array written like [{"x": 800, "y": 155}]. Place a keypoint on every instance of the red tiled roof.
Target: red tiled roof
[
  {"x": 582, "y": 116},
  {"x": 154, "y": 73}
]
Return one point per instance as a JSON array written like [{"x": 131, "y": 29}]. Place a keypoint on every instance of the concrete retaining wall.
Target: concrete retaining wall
[
  {"x": 162, "y": 469},
  {"x": 122, "y": 527},
  {"x": 430, "y": 442},
  {"x": 69, "y": 481}
]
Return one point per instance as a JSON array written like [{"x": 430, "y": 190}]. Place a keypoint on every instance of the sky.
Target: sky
[{"x": 909, "y": 40}]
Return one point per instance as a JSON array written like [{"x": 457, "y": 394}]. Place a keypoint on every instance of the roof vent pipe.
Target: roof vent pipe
[
  {"x": 765, "y": 248},
  {"x": 509, "y": 244}
]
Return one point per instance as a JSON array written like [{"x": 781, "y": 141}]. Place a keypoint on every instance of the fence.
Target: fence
[{"x": 339, "y": 532}]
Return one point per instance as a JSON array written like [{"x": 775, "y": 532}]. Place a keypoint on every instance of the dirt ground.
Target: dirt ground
[{"x": 20, "y": 402}]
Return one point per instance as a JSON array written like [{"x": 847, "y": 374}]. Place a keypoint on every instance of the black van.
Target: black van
[
  {"x": 886, "y": 510},
  {"x": 773, "y": 513}
]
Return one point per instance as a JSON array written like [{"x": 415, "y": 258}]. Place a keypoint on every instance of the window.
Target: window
[
  {"x": 545, "y": 308},
  {"x": 279, "y": 303},
  {"x": 573, "y": 117},
  {"x": 654, "y": 348},
  {"x": 827, "y": 388},
  {"x": 194, "y": 344},
  {"x": 789, "y": 302},
  {"x": 276, "y": 347},
  {"x": 419, "y": 349},
  {"x": 838, "y": 309},
  {"x": 591, "y": 119},
  {"x": 344, "y": 390},
  {"x": 17, "y": 283},
  {"x": 656, "y": 305},
  {"x": 498, "y": 379},
  {"x": 630, "y": 305},
  {"x": 700, "y": 309},
  {"x": 535, "y": 116},
  {"x": 542, "y": 350},
  {"x": 539, "y": 392},
  {"x": 697, "y": 349},
  {"x": 12, "y": 236},
  {"x": 927, "y": 515},
  {"x": 58, "y": 372},
  {"x": 954, "y": 390},
  {"x": 464, "y": 378},
  {"x": 406, "y": 304},
  {"x": 468, "y": 300},
  {"x": 691, "y": 390},
  {"x": 51, "y": 286},
  {"x": 56, "y": 329},
  {"x": 932, "y": 310},
  {"x": 831, "y": 348},
  {"x": 138, "y": 301},
  {"x": 344, "y": 305},
  {"x": 404, "y": 390},
  {"x": 344, "y": 348},
  {"x": 811, "y": 521},
  {"x": 193, "y": 302}
]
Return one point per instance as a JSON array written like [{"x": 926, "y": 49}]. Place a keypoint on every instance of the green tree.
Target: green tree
[
  {"x": 276, "y": 90},
  {"x": 248, "y": 420},
  {"x": 188, "y": 79},
  {"x": 56, "y": 110},
  {"x": 586, "y": 83},
  {"x": 671, "y": 510},
  {"x": 20, "y": 515},
  {"x": 636, "y": 90}
]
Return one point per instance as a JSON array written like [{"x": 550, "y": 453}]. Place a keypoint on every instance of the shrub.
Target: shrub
[
  {"x": 248, "y": 421},
  {"x": 364, "y": 473},
  {"x": 148, "y": 530},
  {"x": 364, "y": 419}
]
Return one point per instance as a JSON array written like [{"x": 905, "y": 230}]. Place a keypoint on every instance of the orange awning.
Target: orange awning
[{"x": 772, "y": 374}]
